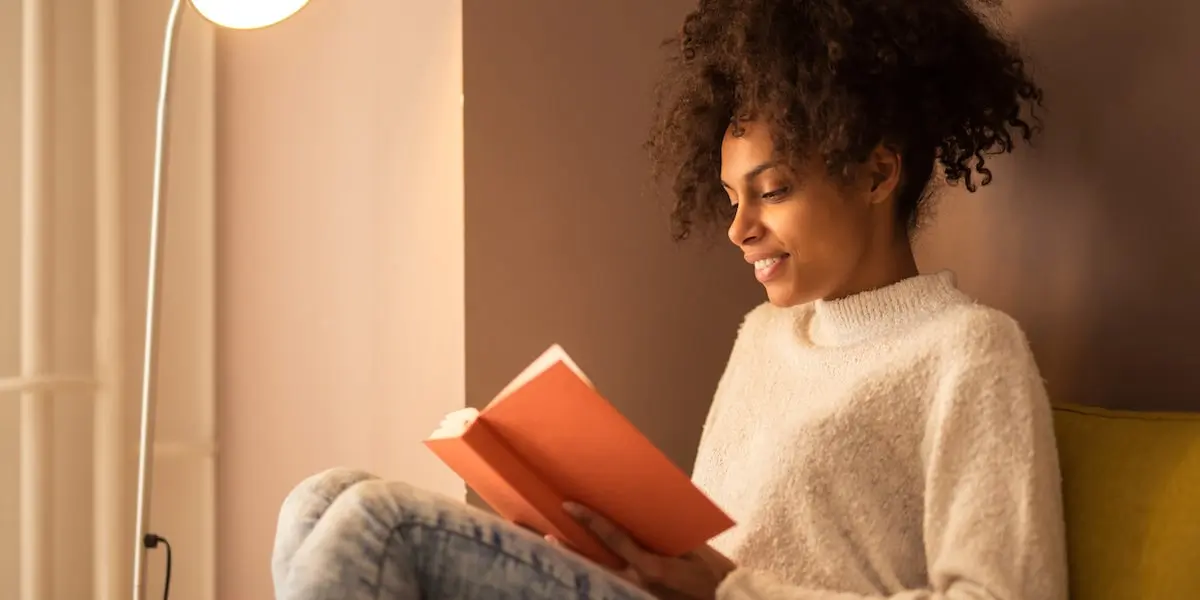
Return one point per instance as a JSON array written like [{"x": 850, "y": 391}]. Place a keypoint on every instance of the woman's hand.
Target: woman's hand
[{"x": 693, "y": 575}]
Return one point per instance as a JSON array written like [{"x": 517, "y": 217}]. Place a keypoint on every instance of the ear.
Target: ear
[{"x": 883, "y": 172}]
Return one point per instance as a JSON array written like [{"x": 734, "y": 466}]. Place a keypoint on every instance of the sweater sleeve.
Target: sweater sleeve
[{"x": 993, "y": 523}]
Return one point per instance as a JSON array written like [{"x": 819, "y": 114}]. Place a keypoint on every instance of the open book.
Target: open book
[{"x": 549, "y": 437}]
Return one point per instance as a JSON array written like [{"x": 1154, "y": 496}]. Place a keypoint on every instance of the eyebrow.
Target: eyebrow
[{"x": 755, "y": 172}]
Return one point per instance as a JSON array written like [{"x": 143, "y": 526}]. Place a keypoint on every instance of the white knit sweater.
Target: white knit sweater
[{"x": 894, "y": 444}]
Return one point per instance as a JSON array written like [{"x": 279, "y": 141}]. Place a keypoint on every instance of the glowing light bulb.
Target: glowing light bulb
[{"x": 247, "y": 14}]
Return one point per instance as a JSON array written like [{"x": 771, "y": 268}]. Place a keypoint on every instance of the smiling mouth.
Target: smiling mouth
[
  {"x": 766, "y": 262},
  {"x": 765, "y": 269}
]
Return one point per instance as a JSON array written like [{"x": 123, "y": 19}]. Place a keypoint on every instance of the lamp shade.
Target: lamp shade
[{"x": 247, "y": 14}]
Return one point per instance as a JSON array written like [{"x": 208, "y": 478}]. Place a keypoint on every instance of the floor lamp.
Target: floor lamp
[{"x": 234, "y": 14}]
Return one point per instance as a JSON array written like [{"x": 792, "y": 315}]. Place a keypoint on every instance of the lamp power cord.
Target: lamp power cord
[{"x": 151, "y": 541}]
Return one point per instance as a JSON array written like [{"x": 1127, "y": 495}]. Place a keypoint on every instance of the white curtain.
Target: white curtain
[{"x": 74, "y": 199}]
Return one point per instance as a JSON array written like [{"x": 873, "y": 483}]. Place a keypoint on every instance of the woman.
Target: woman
[{"x": 876, "y": 433}]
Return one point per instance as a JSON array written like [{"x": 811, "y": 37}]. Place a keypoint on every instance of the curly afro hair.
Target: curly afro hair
[{"x": 834, "y": 79}]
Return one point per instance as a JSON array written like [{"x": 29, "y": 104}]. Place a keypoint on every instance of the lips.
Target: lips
[{"x": 767, "y": 266}]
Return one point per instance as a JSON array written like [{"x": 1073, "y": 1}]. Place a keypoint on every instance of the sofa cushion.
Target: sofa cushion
[{"x": 1131, "y": 487}]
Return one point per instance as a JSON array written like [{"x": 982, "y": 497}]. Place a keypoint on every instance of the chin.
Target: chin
[{"x": 785, "y": 296}]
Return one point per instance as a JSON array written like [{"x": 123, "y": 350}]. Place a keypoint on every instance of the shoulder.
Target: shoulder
[
  {"x": 985, "y": 367},
  {"x": 759, "y": 316},
  {"x": 974, "y": 332},
  {"x": 761, "y": 327},
  {"x": 757, "y": 320},
  {"x": 980, "y": 357},
  {"x": 986, "y": 387},
  {"x": 748, "y": 338}
]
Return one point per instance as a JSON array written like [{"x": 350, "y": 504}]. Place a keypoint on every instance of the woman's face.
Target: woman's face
[{"x": 807, "y": 235}]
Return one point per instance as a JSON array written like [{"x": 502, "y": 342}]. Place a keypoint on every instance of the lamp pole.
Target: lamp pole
[
  {"x": 153, "y": 295},
  {"x": 246, "y": 14}
]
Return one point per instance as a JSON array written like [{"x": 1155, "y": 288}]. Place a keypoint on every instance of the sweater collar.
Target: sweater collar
[{"x": 866, "y": 314}]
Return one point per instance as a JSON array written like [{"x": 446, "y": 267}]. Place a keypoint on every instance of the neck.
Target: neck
[{"x": 881, "y": 266}]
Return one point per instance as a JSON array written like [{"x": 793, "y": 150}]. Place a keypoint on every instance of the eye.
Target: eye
[{"x": 777, "y": 193}]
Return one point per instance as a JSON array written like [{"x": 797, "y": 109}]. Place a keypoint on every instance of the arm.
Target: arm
[{"x": 993, "y": 510}]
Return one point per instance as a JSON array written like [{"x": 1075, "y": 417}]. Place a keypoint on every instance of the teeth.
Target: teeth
[{"x": 764, "y": 263}]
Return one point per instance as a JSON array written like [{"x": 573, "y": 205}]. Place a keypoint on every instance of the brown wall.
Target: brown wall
[
  {"x": 562, "y": 244},
  {"x": 1091, "y": 241}
]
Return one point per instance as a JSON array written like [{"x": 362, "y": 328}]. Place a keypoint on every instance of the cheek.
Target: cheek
[
  {"x": 825, "y": 234},
  {"x": 808, "y": 227}
]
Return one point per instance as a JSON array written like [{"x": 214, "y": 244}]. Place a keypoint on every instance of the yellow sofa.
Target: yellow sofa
[{"x": 1131, "y": 487}]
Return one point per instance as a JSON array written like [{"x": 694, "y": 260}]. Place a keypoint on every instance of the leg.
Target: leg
[
  {"x": 348, "y": 535},
  {"x": 301, "y": 511}
]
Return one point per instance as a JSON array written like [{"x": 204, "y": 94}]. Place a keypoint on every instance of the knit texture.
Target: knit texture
[{"x": 893, "y": 444}]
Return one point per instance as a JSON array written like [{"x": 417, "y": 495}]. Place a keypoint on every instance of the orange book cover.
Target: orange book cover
[{"x": 549, "y": 437}]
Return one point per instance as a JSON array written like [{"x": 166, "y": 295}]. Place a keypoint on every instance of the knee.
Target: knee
[
  {"x": 307, "y": 502},
  {"x": 383, "y": 500},
  {"x": 305, "y": 505},
  {"x": 309, "y": 498},
  {"x": 329, "y": 484}
]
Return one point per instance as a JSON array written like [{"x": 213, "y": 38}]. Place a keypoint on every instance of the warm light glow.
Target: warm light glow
[{"x": 247, "y": 14}]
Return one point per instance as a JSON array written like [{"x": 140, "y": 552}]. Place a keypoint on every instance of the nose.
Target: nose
[{"x": 746, "y": 226}]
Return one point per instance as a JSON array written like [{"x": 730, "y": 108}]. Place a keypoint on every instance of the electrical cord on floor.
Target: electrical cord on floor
[{"x": 152, "y": 541}]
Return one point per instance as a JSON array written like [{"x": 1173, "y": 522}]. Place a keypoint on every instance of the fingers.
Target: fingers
[
  {"x": 645, "y": 566},
  {"x": 612, "y": 536},
  {"x": 628, "y": 573},
  {"x": 695, "y": 574}
]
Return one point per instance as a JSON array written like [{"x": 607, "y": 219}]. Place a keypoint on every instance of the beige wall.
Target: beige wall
[{"x": 340, "y": 257}]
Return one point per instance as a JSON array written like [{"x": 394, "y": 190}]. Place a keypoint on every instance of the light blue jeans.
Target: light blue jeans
[{"x": 351, "y": 536}]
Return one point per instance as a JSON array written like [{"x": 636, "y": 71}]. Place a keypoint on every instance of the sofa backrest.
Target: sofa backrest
[{"x": 1131, "y": 488}]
